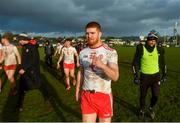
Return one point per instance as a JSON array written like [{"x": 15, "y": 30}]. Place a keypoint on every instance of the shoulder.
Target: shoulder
[
  {"x": 105, "y": 46},
  {"x": 139, "y": 47},
  {"x": 73, "y": 48},
  {"x": 160, "y": 49},
  {"x": 85, "y": 51},
  {"x": 106, "y": 49},
  {"x": 12, "y": 46}
]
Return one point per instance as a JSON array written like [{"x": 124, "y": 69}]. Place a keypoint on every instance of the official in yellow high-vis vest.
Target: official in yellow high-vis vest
[{"x": 149, "y": 63}]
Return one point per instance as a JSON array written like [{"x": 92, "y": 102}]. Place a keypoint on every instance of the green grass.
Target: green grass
[{"x": 53, "y": 103}]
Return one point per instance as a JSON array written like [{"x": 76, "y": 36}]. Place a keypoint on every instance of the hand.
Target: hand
[
  {"x": 163, "y": 78},
  {"x": 21, "y": 71},
  {"x": 96, "y": 61},
  {"x": 78, "y": 64},
  {"x": 136, "y": 80}
]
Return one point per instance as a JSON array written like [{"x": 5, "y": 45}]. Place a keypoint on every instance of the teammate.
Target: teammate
[
  {"x": 67, "y": 54},
  {"x": 148, "y": 61},
  {"x": 11, "y": 60},
  {"x": 98, "y": 66}
]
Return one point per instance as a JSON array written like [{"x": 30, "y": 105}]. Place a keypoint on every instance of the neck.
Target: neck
[
  {"x": 96, "y": 45},
  {"x": 7, "y": 43}
]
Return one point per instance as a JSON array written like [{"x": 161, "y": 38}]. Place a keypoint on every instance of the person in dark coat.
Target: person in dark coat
[
  {"x": 49, "y": 51},
  {"x": 29, "y": 69}
]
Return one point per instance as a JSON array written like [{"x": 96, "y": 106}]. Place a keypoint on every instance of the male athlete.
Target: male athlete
[
  {"x": 67, "y": 54},
  {"x": 11, "y": 60},
  {"x": 98, "y": 66}
]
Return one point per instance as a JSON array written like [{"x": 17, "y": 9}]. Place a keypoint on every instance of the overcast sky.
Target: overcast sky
[{"x": 69, "y": 17}]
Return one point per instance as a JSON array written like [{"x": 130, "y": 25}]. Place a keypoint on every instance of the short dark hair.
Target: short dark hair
[
  {"x": 68, "y": 39},
  {"x": 94, "y": 24},
  {"x": 7, "y": 35}
]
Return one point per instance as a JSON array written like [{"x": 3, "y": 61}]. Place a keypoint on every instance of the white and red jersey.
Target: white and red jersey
[
  {"x": 68, "y": 54},
  {"x": 95, "y": 78},
  {"x": 10, "y": 54}
]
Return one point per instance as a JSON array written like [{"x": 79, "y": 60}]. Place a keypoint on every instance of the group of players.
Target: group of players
[{"x": 97, "y": 66}]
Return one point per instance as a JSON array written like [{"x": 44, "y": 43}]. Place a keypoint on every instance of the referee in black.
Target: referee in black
[{"x": 149, "y": 71}]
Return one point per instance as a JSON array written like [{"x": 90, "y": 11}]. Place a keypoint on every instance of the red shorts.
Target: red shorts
[
  {"x": 10, "y": 67},
  {"x": 68, "y": 66},
  {"x": 98, "y": 103}
]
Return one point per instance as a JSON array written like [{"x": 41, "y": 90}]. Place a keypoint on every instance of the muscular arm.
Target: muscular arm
[
  {"x": 1, "y": 56},
  {"x": 60, "y": 58},
  {"x": 79, "y": 82},
  {"x": 55, "y": 51},
  {"x": 77, "y": 59}
]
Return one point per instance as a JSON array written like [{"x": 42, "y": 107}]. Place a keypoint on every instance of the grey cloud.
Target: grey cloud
[{"x": 117, "y": 17}]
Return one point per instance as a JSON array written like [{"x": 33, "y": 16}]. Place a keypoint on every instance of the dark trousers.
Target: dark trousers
[
  {"x": 146, "y": 82},
  {"x": 26, "y": 83},
  {"x": 23, "y": 87},
  {"x": 48, "y": 60}
]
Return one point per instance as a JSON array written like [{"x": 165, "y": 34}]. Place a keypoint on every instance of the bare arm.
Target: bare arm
[
  {"x": 17, "y": 55},
  {"x": 1, "y": 56},
  {"x": 59, "y": 60},
  {"x": 79, "y": 83},
  {"x": 77, "y": 59},
  {"x": 56, "y": 51}
]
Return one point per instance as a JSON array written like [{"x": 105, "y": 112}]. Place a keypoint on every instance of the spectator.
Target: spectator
[
  {"x": 30, "y": 68},
  {"x": 49, "y": 51}
]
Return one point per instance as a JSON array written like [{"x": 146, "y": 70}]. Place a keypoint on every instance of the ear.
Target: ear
[{"x": 100, "y": 34}]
